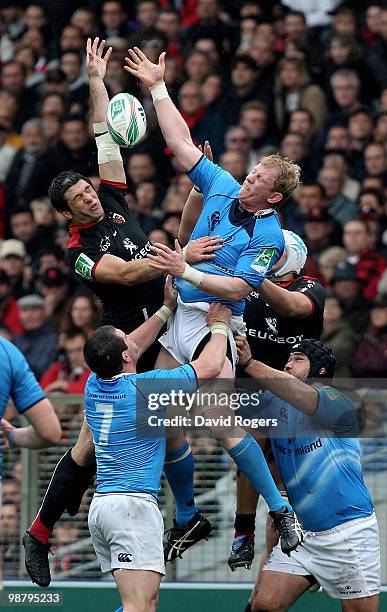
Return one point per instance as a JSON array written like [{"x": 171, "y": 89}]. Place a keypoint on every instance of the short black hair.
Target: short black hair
[
  {"x": 20, "y": 210},
  {"x": 103, "y": 352},
  {"x": 60, "y": 185},
  {"x": 245, "y": 59}
]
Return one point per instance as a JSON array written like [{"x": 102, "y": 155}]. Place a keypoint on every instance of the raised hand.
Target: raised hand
[
  {"x": 170, "y": 294},
  {"x": 207, "y": 151},
  {"x": 143, "y": 69},
  {"x": 166, "y": 260},
  {"x": 203, "y": 248},
  {"x": 95, "y": 63}
]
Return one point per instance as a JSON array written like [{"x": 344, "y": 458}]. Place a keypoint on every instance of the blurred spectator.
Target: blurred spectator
[
  {"x": 69, "y": 373},
  {"x": 319, "y": 228},
  {"x": 11, "y": 492},
  {"x": 377, "y": 52},
  {"x": 9, "y": 310},
  {"x": 13, "y": 262},
  {"x": 114, "y": 20},
  {"x": 360, "y": 128},
  {"x": 81, "y": 313},
  {"x": 211, "y": 25},
  {"x": 146, "y": 14},
  {"x": 19, "y": 174},
  {"x": 203, "y": 123},
  {"x": 9, "y": 517},
  {"x": 141, "y": 168},
  {"x": 235, "y": 163},
  {"x": 7, "y": 153},
  {"x": 198, "y": 66},
  {"x": 77, "y": 83},
  {"x": 345, "y": 85},
  {"x": 346, "y": 285},
  {"x": 294, "y": 90},
  {"x": 162, "y": 236},
  {"x": 24, "y": 228},
  {"x": 369, "y": 264},
  {"x": 370, "y": 360},
  {"x": 262, "y": 51},
  {"x": 54, "y": 285},
  {"x": 255, "y": 119},
  {"x": 293, "y": 145},
  {"x": 338, "y": 334},
  {"x": 13, "y": 78},
  {"x": 43, "y": 212},
  {"x": 328, "y": 260},
  {"x": 375, "y": 159},
  {"x": 237, "y": 138},
  {"x": 341, "y": 208},
  {"x": 84, "y": 19},
  {"x": 74, "y": 151},
  {"x": 38, "y": 340},
  {"x": 338, "y": 159},
  {"x": 242, "y": 89}
]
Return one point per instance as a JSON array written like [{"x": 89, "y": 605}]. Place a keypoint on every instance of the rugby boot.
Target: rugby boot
[
  {"x": 179, "y": 539},
  {"x": 242, "y": 552},
  {"x": 36, "y": 561},
  {"x": 286, "y": 524}
]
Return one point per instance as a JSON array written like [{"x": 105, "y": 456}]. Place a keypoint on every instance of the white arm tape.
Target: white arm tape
[
  {"x": 192, "y": 276},
  {"x": 108, "y": 150},
  {"x": 219, "y": 328},
  {"x": 164, "y": 313},
  {"x": 159, "y": 92}
]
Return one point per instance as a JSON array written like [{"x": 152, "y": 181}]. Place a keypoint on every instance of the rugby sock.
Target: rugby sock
[
  {"x": 244, "y": 524},
  {"x": 65, "y": 491},
  {"x": 249, "y": 457},
  {"x": 179, "y": 470}
]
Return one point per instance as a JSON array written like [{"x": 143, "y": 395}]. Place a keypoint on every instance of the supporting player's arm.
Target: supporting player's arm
[
  {"x": 114, "y": 270},
  {"x": 211, "y": 360},
  {"x": 300, "y": 395},
  {"x": 286, "y": 303},
  {"x": 226, "y": 287},
  {"x": 147, "y": 333},
  {"x": 43, "y": 430},
  {"x": 172, "y": 124},
  {"x": 110, "y": 163}
]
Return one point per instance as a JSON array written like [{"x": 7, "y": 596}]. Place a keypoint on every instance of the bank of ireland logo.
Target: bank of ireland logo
[{"x": 213, "y": 220}]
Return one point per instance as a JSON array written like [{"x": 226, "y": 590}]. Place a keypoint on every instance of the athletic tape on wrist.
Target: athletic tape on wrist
[
  {"x": 198, "y": 191},
  {"x": 164, "y": 313},
  {"x": 192, "y": 276},
  {"x": 184, "y": 253},
  {"x": 108, "y": 150},
  {"x": 219, "y": 328},
  {"x": 159, "y": 92}
]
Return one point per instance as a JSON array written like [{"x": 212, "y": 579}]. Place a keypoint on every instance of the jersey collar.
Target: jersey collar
[{"x": 83, "y": 226}]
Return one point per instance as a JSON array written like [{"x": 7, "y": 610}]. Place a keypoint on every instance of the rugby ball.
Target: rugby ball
[{"x": 126, "y": 120}]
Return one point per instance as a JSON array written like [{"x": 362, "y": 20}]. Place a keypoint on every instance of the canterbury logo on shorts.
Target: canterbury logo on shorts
[{"x": 124, "y": 558}]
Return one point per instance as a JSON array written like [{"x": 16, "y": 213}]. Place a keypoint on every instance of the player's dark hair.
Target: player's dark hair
[
  {"x": 320, "y": 356},
  {"x": 59, "y": 186},
  {"x": 103, "y": 352}
]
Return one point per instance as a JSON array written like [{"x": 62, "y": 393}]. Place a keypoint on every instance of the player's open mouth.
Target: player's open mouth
[{"x": 94, "y": 208}]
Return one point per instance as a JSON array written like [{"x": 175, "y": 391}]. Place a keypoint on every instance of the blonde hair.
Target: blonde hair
[{"x": 288, "y": 173}]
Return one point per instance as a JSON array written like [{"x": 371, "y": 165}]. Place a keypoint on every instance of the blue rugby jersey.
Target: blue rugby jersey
[
  {"x": 251, "y": 244},
  {"x": 17, "y": 381},
  {"x": 130, "y": 456}
]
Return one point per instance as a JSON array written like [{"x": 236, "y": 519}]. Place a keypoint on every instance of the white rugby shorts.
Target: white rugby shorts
[
  {"x": 188, "y": 327},
  {"x": 127, "y": 531},
  {"x": 344, "y": 560}
]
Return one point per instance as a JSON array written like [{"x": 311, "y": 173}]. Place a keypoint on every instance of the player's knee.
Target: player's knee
[{"x": 266, "y": 603}]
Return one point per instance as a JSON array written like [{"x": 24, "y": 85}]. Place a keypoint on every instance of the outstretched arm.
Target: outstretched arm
[
  {"x": 172, "y": 124},
  {"x": 110, "y": 163},
  {"x": 286, "y": 303},
  {"x": 300, "y": 395},
  {"x": 193, "y": 206}
]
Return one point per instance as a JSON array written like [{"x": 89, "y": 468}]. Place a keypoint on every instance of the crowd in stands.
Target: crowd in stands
[{"x": 306, "y": 79}]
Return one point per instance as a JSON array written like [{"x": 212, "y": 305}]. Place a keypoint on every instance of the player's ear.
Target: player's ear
[
  {"x": 125, "y": 356},
  {"x": 67, "y": 215},
  {"x": 275, "y": 198}
]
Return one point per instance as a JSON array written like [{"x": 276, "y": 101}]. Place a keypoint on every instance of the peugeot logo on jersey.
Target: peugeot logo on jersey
[
  {"x": 129, "y": 245},
  {"x": 271, "y": 324}
]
